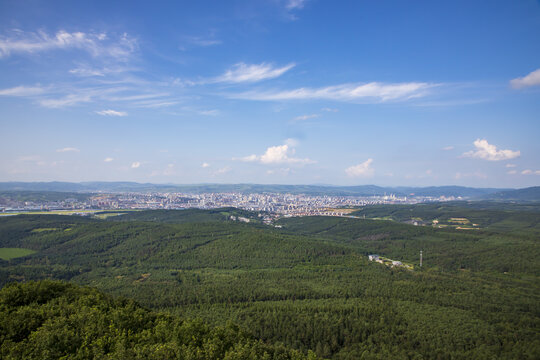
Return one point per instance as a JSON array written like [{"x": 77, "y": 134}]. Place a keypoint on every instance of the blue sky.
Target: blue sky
[{"x": 294, "y": 92}]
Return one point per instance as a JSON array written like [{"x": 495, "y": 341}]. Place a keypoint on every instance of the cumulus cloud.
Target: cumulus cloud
[
  {"x": 280, "y": 154},
  {"x": 531, "y": 79},
  {"x": 111, "y": 113},
  {"x": 486, "y": 151},
  {"x": 68, "y": 149},
  {"x": 361, "y": 170},
  {"x": 96, "y": 44},
  {"x": 248, "y": 73},
  {"x": 22, "y": 91},
  {"x": 109, "y": 159},
  {"x": 344, "y": 92},
  {"x": 135, "y": 165}
]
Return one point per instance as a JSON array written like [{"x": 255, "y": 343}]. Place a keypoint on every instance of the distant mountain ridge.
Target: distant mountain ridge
[
  {"x": 526, "y": 194},
  {"x": 360, "y": 190}
]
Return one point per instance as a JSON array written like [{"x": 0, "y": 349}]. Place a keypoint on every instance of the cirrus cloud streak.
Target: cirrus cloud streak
[
  {"x": 97, "y": 44},
  {"x": 344, "y": 92},
  {"x": 249, "y": 73}
]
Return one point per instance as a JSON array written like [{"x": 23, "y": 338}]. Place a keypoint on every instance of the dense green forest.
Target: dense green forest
[
  {"x": 506, "y": 217},
  {"x": 309, "y": 285},
  {"x": 53, "y": 320}
]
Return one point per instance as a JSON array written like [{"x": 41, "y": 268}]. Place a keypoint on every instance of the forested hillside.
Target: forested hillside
[
  {"x": 505, "y": 217},
  {"x": 53, "y": 320},
  {"x": 309, "y": 284}
]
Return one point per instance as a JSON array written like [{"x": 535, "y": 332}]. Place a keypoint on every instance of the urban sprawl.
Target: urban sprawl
[{"x": 272, "y": 203}]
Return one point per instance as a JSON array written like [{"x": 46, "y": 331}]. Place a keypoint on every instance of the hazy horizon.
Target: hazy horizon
[
  {"x": 257, "y": 184},
  {"x": 289, "y": 92}
]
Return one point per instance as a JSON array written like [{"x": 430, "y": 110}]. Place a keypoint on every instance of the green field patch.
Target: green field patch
[
  {"x": 12, "y": 253},
  {"x": 107, "y": 215},
  {"x": 39, "y": 230}
]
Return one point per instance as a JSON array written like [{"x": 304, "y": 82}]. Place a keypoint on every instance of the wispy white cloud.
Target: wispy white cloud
[
  {"x": 152, "y": 104},
  {"x": 249, "y": 158},
  {"x": 64, "y": 95},
  {"x": 530, "y": 172},
  {"x": 135, "y": 165},
  {"x": 85, "y": 95},
  {"x": 486, "y": 151},
  {"x": 28, "y": 158},
  {"x": 512, "y": 172},
  {"x": 476, "y": 174},
  {"x": 108, "y": 159},
  {"x": 68, "y": 149},
  {"x": 361, "y": 170},
  {"x": 22, "y": 91},
  {"x": 280, "y": 154},
  {"x": 531, "y": 79},
  {"x": 212, "y": 112},
  {"x": 205, "y": 165},
  {"x": 280, "y": 171},
  {"x": 169, "y": 170},
  {"x": 448, "y": 148},
  {"x": 249, "y": 73},
  {"x": 68, "y": 100},
  {"x": 511, "y": 165},
  {"x": 201, "y": 41},
  {"x": 344, "y": 92},
  {"x": 137, "y": 97},
  {"x": 222, "y": 170},
  {"x": 329, "y": 109},
  {"x": 111, "y": 113},
  {"x": 295, "y": 4},
  {"x": 306, "y": 117},
  {"x": 96, "y": 44},
  {"x": 89, "y": 71}
]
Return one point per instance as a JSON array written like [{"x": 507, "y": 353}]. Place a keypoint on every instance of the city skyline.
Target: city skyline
[{"x": 271, "y": 92}]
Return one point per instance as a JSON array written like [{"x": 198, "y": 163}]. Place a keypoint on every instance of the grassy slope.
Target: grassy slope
[{"x": 13, "y": 253}]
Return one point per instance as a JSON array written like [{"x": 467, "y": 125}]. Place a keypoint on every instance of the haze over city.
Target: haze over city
[{"x": 272, "y": 92}]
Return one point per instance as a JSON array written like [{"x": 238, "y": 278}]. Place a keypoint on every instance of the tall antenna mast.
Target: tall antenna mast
[{"x": 420, "y": 258}]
